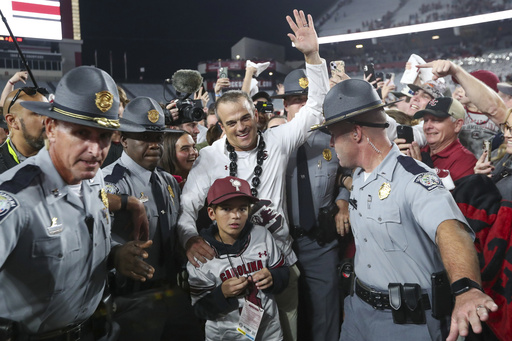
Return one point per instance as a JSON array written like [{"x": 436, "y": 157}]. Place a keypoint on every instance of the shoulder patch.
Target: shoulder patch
[
  {"x": 111, "y": 188},
  {"x": 116, "y": 175},
  {"x": 7, "y": 204},
  {"x": 22, "y": 179},
  {"x": 410, "y": 165},
  {"x": 429, "y": 180}
]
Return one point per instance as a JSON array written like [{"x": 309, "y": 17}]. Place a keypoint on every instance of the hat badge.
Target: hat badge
[
  {"x": 303, "y": 82},
  {"x": 433, "y": 102},
  {"x": 236, "y": 183},
  {"x": 153, "y": 116},
  {"x": 104, "y": 100}
]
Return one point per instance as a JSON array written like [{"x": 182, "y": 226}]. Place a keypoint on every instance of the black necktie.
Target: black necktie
[
  {"x": 306, "y": 208},
  {"x": 163, "y": 222}
]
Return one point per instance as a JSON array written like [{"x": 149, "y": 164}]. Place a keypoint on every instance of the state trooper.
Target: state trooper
[
  {"x": 151, "y": 310},
  {"x": 54, "y": 220},
  {"x": 311, "y": 189},
  {"x": 406, "y": 227}
]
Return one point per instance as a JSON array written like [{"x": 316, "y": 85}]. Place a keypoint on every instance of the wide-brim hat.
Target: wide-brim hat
[
  {"x": 443, "y": 107},
  {"x": 87, "y": 96},
  {"x": 296, "y": 83},
  {"x": 146, "y": 112},
  {"x": 228, "y": 188},
  {"x": 347, "y": 99}
]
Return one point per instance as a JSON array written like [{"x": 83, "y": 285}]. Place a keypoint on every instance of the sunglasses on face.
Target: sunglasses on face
[{"x": 29, "y": 91}]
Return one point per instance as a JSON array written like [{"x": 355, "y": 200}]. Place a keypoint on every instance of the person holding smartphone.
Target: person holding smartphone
[{"x": 443, "y": 119}]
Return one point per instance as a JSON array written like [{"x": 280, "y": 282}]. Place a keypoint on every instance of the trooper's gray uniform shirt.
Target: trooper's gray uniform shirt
[
  {"x": 395, "y": 231},
  {"x": 53, "y": 247},
  {"x": 318, "y": 264},
  {"x": 136, "y": 182}
]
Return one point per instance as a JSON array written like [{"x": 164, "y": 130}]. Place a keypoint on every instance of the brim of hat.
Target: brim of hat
[
  {"x": 232, "y": 195},
  {"x": 399, "y": 94},
  {"x": 45, "y": 109},
  {"x": 287, "y": 94},
  {"x": 415, "y": 87},
  {"x": 505, "y": 88},
  {"x": 436, "y": 113},
  {"x": 323, "y": 127},
  {"x": 165, "y": 130}
]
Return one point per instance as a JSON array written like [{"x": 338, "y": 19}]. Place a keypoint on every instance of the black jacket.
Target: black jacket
[{"x": 6, "y": 159}]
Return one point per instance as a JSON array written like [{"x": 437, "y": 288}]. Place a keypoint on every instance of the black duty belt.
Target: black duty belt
[
  {"x": 70, "y": 333},
  {"x": 380, "y": 300},
  {"x": 298, "y": 232}
]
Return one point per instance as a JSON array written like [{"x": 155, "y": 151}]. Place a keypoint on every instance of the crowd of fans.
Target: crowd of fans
[{"x": 260, "y": 255}]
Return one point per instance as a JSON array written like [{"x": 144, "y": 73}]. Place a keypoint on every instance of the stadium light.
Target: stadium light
[{"x": 437, "y": 25}]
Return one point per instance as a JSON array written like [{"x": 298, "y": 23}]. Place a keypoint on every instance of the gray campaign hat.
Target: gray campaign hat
[
  {"x": 295, "y": 83},
  {"x": 87, "y": 96},
  {"x": 505, "y": 87},
  {"x": 148, "y": 113},
  {"x": 347, "y": 99}
]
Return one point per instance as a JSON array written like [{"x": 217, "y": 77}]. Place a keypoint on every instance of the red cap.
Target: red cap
[
  {"x": 228, "y": 188},
  {"x": 487, "y": 77}
]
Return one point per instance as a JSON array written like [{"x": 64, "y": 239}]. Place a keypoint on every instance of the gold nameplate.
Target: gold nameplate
[
  {"x": 104, "y": 100},
  {"x": 327, "y": 154},
  {"x": 153, "y": 116},
  {"x": 384, "y": 191}
]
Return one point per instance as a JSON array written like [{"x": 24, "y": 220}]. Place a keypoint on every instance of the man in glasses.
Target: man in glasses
[
  {"x": 55, "y": 241},
  {"x": 135, "y": 173},
  {"x": 26, "y": 129}
]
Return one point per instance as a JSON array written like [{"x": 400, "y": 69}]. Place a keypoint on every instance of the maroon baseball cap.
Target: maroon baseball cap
[
  {"x": 487, "y": 77},
  {"x": 228, "y": 188}
]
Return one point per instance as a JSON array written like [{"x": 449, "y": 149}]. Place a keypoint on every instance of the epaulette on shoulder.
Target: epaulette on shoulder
[
  {"x": 21, "y": 180},
  {"x": 116, "y": 175},
  {"x": 411, "y": 165}
]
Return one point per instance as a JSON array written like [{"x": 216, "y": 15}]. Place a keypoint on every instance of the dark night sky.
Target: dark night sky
[{"x": 164, "y": 35}]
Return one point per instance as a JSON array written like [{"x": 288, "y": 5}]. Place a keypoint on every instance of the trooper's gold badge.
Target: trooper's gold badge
[
  {"x": 104, "y": 100},
  {"x": 303, "y": 82},
  {"x": 327, "y": 154},
  {"x": 153, "y": 116}
]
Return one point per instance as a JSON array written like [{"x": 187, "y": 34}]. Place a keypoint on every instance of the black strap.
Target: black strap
[
  {"x": 307, "y": 217},
  {"x": 116, "y": 175},
  {"x": 411, "y": 165},
  {"x": 22, "y": 179}
]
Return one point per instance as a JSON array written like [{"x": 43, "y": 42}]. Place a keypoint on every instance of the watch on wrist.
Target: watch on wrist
[{"x": 463, "y": 285}]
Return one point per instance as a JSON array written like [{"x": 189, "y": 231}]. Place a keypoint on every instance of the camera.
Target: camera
[
  {"x": 264, "y": 107},
  {"x": 188, "y": 111}
]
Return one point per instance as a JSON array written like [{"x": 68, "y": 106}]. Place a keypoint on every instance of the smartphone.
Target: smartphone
[
  {"x": 487, "y": 148},
  {"x": 369, "y": 70},
  {"x": 405, "y": 132},
  {"x": 223, "y": 72},
  {"x": 379, "y": 75},
  {"x": 442, "y": 299},
  {"x": 337, "y": 67}
]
